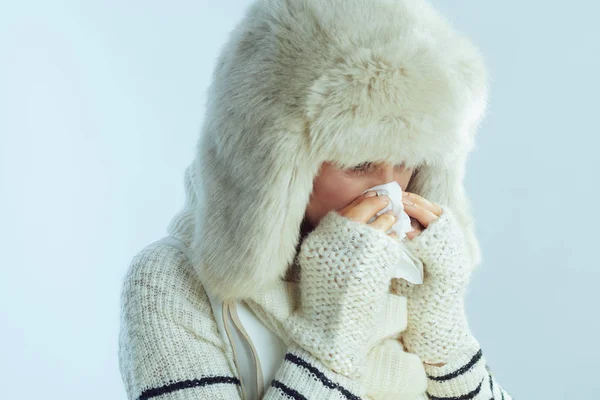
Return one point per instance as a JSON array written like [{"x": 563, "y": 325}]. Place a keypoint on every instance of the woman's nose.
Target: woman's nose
[{"x": 386, "y": 173}]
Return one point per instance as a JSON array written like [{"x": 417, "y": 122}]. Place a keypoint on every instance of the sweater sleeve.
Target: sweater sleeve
[
  {"x": 467, "y": 377},
  {"x": 170, "y": 346}
]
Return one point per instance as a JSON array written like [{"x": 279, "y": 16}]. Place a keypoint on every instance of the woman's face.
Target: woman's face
[{"x": 335, "y": 188}]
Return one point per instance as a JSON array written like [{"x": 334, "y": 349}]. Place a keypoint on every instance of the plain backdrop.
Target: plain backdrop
[{"x": 101, "y": 103}]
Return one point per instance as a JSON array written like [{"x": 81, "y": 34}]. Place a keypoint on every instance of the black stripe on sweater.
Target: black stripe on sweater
[
  {"x": 467, "y": 396},
  {"x": 459, "y": 371},
  {"x": 321, "y": 376},
  {"x": 287, "y": 390},
  {"x": 208, "y": 380},
  {"x": 491, "y": 381}
]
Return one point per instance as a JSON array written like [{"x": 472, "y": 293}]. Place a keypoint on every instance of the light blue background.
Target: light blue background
[{"x": 101, "y": 103}]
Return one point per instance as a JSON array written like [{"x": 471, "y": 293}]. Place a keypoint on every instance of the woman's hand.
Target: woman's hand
[
  {"x": 365, "y": 206},
  {"x": 437, "y": 328},
  {"x": 421, "y": 211},
  {"x": 346, "y": 267}
]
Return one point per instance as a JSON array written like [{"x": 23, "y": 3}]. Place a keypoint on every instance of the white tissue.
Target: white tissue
[{"x": 410, "y": 267}]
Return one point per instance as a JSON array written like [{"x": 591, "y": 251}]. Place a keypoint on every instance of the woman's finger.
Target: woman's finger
[
  {"x": 417, "y": 228},
  {"x": 423, "y": 202},
  {"x": 412, "y": 234},
  {"x": 416, "y": 225},
  {"x": 367, "y": 208},
  {"x": 352, "y": 204},
  {"x": 357, "y": 201},
  {"x": 384, "y": 222},
  {"x": 422, "y": 214}
]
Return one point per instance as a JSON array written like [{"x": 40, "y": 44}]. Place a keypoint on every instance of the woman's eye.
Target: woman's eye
[{"x": 363, "y": 167}]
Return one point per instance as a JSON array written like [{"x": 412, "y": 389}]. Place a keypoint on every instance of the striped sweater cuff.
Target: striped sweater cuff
[
  {"x": 210, "y": 386},
  {"x": 467, "y": 377},
  {"x": 302, "y": 376}
]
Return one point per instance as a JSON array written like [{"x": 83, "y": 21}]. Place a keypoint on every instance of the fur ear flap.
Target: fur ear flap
[
  {"x": 252, "y": 206},
  {"x": 445, "y": 185}
]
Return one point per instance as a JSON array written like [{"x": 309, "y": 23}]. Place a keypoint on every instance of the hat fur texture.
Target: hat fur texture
[{"x": 300, "y": 82}]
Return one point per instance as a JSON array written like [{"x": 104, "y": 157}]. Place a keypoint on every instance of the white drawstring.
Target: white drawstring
[{"x": 230, "y": 307}]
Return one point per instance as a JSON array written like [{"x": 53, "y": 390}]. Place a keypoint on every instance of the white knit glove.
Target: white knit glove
[
  {"x": 437, "y": 328},
  {"x": 345, "y": 275}
]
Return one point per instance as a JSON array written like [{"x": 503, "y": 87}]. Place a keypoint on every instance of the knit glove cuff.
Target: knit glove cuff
[
  {"x": 345, "y": 272},
  {"x": 437, "y": 328}
]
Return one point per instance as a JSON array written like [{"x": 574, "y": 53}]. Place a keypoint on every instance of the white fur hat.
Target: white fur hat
[{"x": 300, "y": 82}]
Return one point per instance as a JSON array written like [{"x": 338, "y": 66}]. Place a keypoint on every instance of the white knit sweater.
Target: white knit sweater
[{"x": 170, "y": 346}]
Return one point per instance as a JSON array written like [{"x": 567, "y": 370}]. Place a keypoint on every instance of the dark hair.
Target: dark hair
[{"x": 293, "y": 270}]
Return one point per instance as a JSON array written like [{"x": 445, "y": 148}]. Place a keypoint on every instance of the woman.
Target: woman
[{"x": 312, "y": 102}]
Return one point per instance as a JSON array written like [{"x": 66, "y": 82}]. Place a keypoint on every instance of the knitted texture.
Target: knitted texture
[
  {"x": 170, "y": 346},
  {"x": 346, "y": 269},
  {"x": 391, "y": 372},
  {"x": 396, "y": 374},
  {"x": 169, "y": 342},
  {"x": 467, "y": 376},
  {"x": 437, "y": 324}
]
